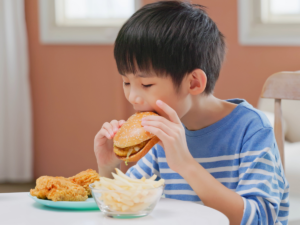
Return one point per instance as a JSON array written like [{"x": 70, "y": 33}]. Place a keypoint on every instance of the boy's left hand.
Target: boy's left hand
[{"x": 171, "y": 134}]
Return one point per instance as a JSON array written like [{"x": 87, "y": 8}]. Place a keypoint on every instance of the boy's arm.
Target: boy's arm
[
  {"x": 262, "y": 183},
  {"x": 212, "y": 193},
  {"x": 107, "y": 171},
  {"x": 261, "y": 196}
]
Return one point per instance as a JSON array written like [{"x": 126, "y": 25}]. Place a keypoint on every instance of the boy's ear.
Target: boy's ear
[{"x": 197, "y": 81}]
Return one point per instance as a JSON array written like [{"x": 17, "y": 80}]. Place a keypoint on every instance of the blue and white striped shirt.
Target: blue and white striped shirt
[{"x": 240, "y": 151}]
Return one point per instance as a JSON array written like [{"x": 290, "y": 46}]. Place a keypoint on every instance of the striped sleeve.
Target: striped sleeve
[
  {"x": 262, "y": 184},
  {"x": 146, "y": 166}
]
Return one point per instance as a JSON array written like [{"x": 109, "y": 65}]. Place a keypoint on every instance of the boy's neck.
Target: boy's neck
[{"x": 205, "y": 111}]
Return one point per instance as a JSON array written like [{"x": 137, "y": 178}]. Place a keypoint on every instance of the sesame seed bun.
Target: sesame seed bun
[{"x": 131, "y": 134}]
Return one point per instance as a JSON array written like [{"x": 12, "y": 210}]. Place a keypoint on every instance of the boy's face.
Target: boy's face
[{"x": 143, "y": 90}]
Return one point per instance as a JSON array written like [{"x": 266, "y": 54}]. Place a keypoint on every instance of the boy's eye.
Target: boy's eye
[
  {"x": 126, "y": 83},
  {"x": 147, "y": 85}
]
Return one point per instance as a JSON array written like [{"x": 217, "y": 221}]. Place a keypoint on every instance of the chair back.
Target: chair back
[{"x": 282, "y": 85}]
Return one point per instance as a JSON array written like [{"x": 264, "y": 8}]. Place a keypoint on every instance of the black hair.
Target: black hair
[{"x": 171, "y": 38}]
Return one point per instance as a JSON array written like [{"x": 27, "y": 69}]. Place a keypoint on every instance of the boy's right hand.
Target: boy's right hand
[{"x": 103, "y": 144}]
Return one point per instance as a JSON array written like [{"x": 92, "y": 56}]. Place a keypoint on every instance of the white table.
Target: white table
[{"x": 19, "y": 208}]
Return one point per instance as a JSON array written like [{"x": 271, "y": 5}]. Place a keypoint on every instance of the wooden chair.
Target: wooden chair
[{"x": 282, "y": 85}]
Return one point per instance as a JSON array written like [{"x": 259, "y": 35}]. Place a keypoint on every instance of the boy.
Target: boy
[{"x": 219, "y": 153}]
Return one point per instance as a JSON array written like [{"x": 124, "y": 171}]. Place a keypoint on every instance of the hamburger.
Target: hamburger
[{"x": 132, "y": 141}]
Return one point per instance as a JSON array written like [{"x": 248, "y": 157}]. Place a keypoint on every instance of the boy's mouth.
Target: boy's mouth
[{"x": 147, "y": 111}]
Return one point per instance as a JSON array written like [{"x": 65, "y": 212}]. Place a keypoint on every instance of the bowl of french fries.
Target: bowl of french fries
[{"x": 124, "y": 197}]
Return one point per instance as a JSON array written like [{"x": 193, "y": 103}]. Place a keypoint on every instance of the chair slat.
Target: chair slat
[{"x": 278, "y": 129}]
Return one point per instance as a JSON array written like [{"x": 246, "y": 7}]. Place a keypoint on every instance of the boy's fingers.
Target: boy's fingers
[
  {"x": 158, "y": 132},
  {"x": 159, "y": 125},
  {"x": 115, "y": 125},
  {"x": 121, "y": 122},
  {"x": 169, "y": 111},
  {"x": 158, "y": 118},
  {"x": 105, "y": 133},
  {"x": 109, "y": 129},
  {"x": 107, "y": 126},
  {"x": 102, "y": 134}
]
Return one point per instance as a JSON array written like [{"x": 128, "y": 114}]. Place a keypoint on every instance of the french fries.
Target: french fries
[{"x": 124, "y": 194}]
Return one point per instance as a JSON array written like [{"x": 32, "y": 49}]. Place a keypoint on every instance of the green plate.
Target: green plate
[{"x": 87, "y": 204}]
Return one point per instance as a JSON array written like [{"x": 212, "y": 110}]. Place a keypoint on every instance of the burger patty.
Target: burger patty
[{"x": 136, "y": 148}]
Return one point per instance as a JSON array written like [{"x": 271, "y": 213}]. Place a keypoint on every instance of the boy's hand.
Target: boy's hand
[
  {"x": 103, "y": 147},
  {"x": 171, "y": 134}
]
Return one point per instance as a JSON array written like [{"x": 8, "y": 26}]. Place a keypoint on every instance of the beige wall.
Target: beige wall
[{"x": 76, "y": 88}]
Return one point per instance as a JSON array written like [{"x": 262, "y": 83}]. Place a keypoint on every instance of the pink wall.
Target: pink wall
[{"x": 76, "y": 88}]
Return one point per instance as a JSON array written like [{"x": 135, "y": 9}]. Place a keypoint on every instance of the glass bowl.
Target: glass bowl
[{"x": 126, "y": 203}]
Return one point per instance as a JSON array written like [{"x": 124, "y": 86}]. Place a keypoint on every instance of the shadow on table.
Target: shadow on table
[{"x": 147, "y": 220}]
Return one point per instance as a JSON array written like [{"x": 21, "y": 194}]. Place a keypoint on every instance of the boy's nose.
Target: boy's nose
[{"x": 135, "y": 99}]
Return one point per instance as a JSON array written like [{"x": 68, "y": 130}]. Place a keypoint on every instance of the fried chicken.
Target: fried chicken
[
  {"x": 74, "y": 188},
  {"x": 85, "y": 178},
  {"x": 58, "y": 189}
]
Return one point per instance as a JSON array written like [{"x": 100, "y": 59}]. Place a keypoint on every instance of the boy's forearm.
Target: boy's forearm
[
  {"x": 212, "y": 193},
  {"x": 106, "y": 171}
]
